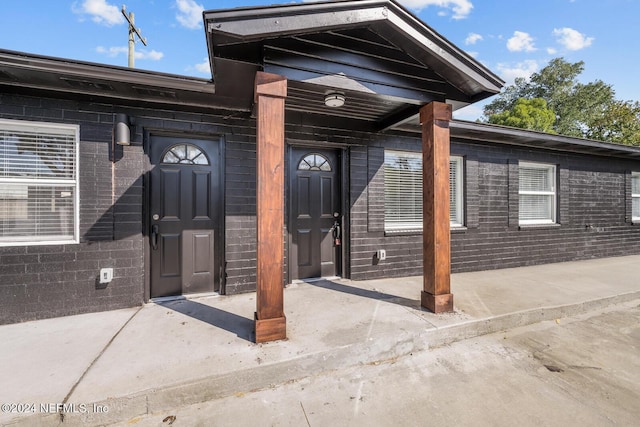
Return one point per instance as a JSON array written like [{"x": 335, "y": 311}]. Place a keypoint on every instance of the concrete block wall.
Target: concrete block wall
[
  {"x": 47, "y": 281},
  {"x": 240, "y": 205},
  {"x": 53, "y": 280},
  {"x": 593, "y": 213}
]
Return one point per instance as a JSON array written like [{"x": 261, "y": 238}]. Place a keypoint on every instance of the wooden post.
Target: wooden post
[
  {"x": 436, "y": 240},
  {"x": 270, "y": 92}
]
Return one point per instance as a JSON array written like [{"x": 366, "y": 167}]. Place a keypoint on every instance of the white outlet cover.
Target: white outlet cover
[{"x": 106, "y": 275}]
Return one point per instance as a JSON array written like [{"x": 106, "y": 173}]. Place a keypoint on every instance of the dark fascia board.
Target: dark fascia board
[
  {"x": 257, "y": 23},
  {"x": 483, "y": 132},
  {"x": 14, "y": 62},
  {"x": 288, "y": 19}
]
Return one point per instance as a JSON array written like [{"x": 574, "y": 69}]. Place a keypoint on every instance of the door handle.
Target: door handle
[
  {"x": 336, "y": 229},
  {"x": 336, "y": 233},
  {"x": 154, "y": 236}
]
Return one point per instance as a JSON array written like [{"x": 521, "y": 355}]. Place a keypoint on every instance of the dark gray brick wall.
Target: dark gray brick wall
[
  {"x": 592, "y": 211},
  {"x": 46, "y": 281},
  {"x": 240, "y": 229}
]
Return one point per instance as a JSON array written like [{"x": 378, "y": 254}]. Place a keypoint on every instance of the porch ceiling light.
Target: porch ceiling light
[{"x": 334, "y": 100}]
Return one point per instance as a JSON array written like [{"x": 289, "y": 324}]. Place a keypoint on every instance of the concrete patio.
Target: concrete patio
[{"x": 114, "y": 366}]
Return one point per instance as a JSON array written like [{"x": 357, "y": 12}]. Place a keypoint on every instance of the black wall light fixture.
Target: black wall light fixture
[{"x": 122, "y": 132}]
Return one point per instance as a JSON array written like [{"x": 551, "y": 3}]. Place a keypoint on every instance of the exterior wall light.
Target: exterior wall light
[
  {"x": 334, "y": 100},
  {"x": 121, "y": 132}
]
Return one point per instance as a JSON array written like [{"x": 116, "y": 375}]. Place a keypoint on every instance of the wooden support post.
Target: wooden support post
[
  {"x": 436, "y": 238},
  {"x": 270, "y": 92}
]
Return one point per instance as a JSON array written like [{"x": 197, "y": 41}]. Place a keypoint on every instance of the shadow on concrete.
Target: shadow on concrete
[
  {"x": 241, "y": 326},
  {"x": 365, "y": 293}
]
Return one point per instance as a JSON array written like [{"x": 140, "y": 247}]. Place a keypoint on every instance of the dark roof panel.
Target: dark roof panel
[
  {"x": 24, "y": 72},
  {"x": 46, "y": 76},
  {"x": 483, "y": 132},
  {"x": 373, "y": 48}
]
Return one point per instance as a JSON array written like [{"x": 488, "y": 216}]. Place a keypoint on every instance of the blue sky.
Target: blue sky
[{"x": 512, "y": 38}]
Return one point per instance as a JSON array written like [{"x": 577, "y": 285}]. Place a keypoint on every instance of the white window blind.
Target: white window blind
[
  {"x": 456, "y": 192},
  {"x": 635, "y": 196},
  {"x": 537, "y": 193},
  {"x": 403, "y": 191},
  {"x": 38, "y": 183}
]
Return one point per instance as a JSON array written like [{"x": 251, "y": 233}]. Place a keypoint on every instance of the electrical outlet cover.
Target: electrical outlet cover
[{"x": 106, "y": 275}]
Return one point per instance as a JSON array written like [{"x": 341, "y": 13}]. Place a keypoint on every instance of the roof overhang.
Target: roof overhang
[
  {"x": 36, "y": 74},
  {"x": 385, "y": 60},
  {"x": 46, "y": 76},
  {"x": 489, "y": 133}
]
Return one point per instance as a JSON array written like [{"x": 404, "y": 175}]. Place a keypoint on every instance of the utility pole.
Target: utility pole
[{"x": 133, "y": 31}]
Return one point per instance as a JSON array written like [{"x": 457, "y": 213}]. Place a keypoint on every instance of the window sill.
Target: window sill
[
  {"x": 538, "y": 226},
  {"x": 15, "y": 243},
  {"x": 396, "y": 233}
]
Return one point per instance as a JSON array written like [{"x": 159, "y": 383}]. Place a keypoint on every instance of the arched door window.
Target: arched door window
[
  {"x": 314, "y": 162},
  {"x": 185, "y": 154}
]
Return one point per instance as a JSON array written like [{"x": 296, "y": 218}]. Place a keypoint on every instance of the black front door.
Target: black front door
[
  {"x": 184, "y": 223},
  {"x": 315, "y": 203}
]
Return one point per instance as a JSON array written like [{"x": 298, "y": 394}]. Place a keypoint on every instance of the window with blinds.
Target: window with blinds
[
  {"x": 635, "y": 196},
  {"x": 38, "y": 183},
  {"x": 456, "y": 192},
  {"x": 537, "y": 193},
  {"x": 403, "y": 191}
]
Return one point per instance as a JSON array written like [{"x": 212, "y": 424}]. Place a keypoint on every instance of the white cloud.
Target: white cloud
[
  {"x": 114, "y": 51},
  {"x": 472, "y": 38},
  {"x": 472, "y": 53},
  {"x": 152, "y": 55},
  {"x": 203, "y": 67},
  {"x": 572, "y": 39},
  {"x": 522, "y": 69},
  {"x": 551, "y": 51},
  {"x": 470, "y": 112},
  {"x": 189, "y": 13},
  {"x": 520, "y": 41},
  {"x": 461, "y": 8},
  {"x": 100, "y": 11}
]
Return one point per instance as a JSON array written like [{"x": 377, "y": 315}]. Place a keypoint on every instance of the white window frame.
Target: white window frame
[
  {"x": 72, "y": 182},
  {"x": 411, "y": 191},
  {"x": 551, "y": 170},
  {"x": 415, "y": 224},
  {"x": 457, "y": 219},
  {"x": 635, "y": 197}
]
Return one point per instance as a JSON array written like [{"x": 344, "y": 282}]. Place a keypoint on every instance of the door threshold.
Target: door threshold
[
  {"x": 314, "y": 279},
  {"x": 159, "y": 300}
]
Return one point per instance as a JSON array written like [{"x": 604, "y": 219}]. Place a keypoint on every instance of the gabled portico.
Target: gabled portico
[{"x": 394, "y": 73}]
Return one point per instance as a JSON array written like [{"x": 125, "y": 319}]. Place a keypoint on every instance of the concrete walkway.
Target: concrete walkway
[{"x": 114, "y": 366}]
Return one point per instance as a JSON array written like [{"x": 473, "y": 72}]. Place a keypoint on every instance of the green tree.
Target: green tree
[
  {"x": 533, "y": 114},
  {"x": 508, "y": 97},
  {"x": 583, "y": 110},
  {"x": 619, "y": 123}
]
